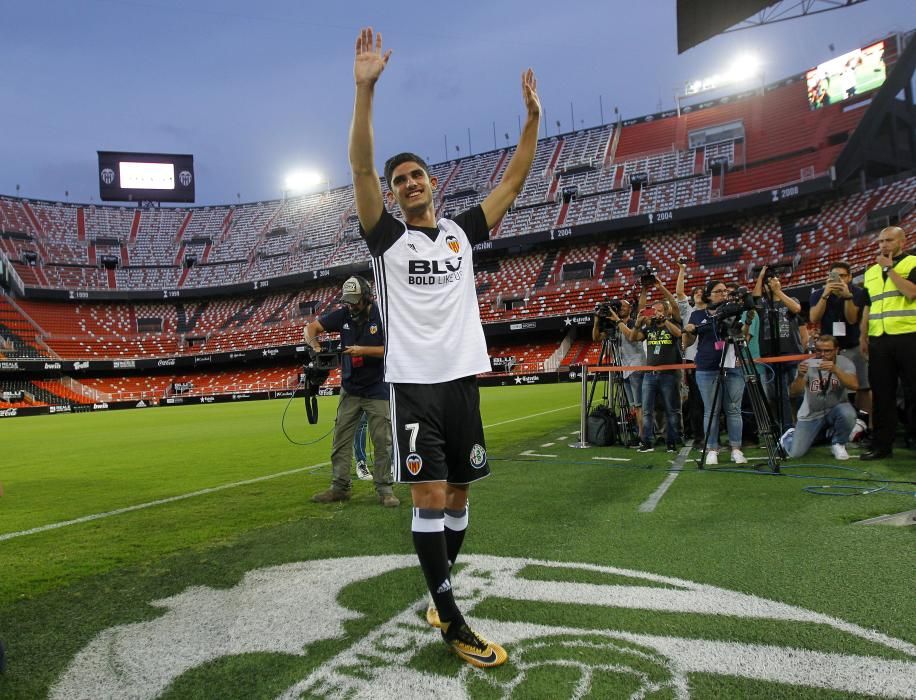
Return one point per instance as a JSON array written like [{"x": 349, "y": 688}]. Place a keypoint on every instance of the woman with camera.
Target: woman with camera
[{"x": 712, "y": 345}]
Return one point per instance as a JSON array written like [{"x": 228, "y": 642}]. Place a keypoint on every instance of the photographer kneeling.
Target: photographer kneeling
[
  {"x": 825, "y": 382},
  {"x": 362, "y": 388}
]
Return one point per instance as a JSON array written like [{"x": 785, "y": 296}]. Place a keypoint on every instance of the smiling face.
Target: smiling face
[{"x": 412, "y": 188}]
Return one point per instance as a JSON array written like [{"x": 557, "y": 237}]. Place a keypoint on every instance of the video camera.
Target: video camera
[
  {"x": 736, "y": 303},
  {"x": 604, "y": 308},
  {"x": 315, "y": 372},
  {"x": 647, "y": 275}
]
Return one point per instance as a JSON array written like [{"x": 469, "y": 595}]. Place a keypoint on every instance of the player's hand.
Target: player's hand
[
  {"x": 530, "y": 94},
  {"x": 353, "y": 351},
  {"x": 370, "y": 61}
]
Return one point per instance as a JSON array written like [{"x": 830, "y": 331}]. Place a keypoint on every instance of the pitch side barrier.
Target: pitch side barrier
[
  {"x": 570, "y": 374},
  {"x": 588, "y": 373}
]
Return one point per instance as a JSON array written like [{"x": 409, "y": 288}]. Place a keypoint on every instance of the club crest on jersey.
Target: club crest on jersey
[
  {"x": 373, "y": 329},
  {"x": 414, "y": 463},
  {"x": 478, "y": 456},
  {"x": 453, "y": 244}
]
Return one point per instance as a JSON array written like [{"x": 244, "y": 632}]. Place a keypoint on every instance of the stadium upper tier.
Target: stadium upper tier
[
  {"x": 718, "y": 150},
  {"x": 568, "y": 279}
]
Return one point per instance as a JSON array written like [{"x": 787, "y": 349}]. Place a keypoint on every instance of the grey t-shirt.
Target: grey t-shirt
[
  {"x": 823, "y": 390},
  {"x": 631, "y": 353}
]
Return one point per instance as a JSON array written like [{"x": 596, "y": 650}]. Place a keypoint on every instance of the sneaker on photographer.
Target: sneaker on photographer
[
  {"x": 712, "y": 457},
  {"x": 738, "y": 456},
  {"x": 362, "y": 471},
  {"x": 839, "y": 452}
]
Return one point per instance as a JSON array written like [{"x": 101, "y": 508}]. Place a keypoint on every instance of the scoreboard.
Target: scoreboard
[{"x": 152, "y": 177}]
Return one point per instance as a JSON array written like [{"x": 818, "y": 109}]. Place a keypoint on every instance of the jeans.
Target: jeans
[
  {"x": 731, "y": 391},
  {"x": 841, "y": 418},
  {"x": 666, "y": 384},
  {"x": 359, "y": 442},
  {"x": 784, "y": 373}
]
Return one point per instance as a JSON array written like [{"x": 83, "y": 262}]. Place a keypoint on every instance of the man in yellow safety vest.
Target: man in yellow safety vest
[{"x": 889, "y": 337}]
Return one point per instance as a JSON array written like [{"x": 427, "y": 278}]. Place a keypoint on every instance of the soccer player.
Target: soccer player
[{"x": 435, "y": 344}]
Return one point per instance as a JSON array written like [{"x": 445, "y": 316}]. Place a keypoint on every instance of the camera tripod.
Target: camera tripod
[
  {"x": 614, "y": 395},
  {"x": 766, "y": 429}
]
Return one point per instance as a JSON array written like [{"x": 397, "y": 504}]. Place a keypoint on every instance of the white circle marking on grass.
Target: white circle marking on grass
[{"x": 284, "y": 609}]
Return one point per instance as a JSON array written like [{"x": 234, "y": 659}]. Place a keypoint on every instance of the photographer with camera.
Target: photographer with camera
[
  {"x": 662, "y": 334},
  {"x": 824, "y": 381},
  {"x": 617, "y": 318},
  {"x": 713, "y": 353},
  {"x": 693, "y": 406},
  {"x": 780, "y": 334},
  {"x": 362, "y": 388},
  {"x": 837, "y": 307}
]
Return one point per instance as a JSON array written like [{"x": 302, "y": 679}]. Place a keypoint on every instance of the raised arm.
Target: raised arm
[
  {"x": 499, "y": 200},
  {"x": 367, "y": 67}
]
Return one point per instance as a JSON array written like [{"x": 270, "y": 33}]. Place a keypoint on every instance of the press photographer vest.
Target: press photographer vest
[{"x": 891, "y": 312}]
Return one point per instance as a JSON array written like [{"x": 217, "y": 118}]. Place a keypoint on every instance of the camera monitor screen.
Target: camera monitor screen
[
  {"x": 133, "y": 177},
  {"x": 846, "y": 76}
]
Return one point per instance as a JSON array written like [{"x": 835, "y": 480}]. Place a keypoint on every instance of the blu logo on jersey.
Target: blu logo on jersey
[{"x": 433, "y": 272}]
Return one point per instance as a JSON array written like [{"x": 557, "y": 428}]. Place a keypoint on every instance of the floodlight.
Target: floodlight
[
  {"x": 301, "y": 180},
  {"x": 744, "y": 66}
]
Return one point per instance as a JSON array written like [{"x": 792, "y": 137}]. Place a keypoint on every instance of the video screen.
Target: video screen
[
  {"x": 846, "y": 76},
  {"x": 150, "y": 177}
]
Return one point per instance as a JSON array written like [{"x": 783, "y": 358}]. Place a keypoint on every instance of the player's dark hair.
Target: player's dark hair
[
  {"x": 824, "y": 338},
  {"x": 405, "y": 157}
]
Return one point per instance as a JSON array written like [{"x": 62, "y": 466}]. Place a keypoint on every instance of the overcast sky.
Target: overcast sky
[{"x": 254, "y": 90}]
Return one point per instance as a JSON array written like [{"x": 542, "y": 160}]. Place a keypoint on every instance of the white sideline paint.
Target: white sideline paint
[
  {"x": 651, "y": 502},
  {"x": 529, "y": 453},
  {"x": 614, "y": 459},
  {"x": 284, "y": 609},
  {"x": 161, "y": 501},
  {"x": 533, "y": 415},
  {"x": 548, "y": 444},
  {"x": 214, "y": 489}
]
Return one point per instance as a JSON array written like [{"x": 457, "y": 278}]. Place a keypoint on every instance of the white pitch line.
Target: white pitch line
[
  {"x": 652, "y": 501},
  {"x": 614, "y": 459},
  {"x": 533, "y": 415},
  {"x": 161, "y": 501},
  {"x": 548, "y": 444},
  {"x": 214, "y": 489},
  {"x": 529, "y": 453}
]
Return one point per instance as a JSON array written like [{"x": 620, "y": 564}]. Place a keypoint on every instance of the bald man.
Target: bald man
[{"x": 889, "y": 337}]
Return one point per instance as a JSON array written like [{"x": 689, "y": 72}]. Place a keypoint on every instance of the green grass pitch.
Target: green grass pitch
[{"x": 736, "y": 585}]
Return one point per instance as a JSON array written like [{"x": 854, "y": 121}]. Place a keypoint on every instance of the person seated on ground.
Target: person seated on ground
[{"x": 825, "y": 382}]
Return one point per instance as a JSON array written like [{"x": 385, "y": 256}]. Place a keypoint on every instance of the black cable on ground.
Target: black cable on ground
[{"x": 283, "y": 422}]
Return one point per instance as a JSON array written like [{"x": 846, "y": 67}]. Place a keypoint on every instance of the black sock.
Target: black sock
[
  {"x": 456, "y": 524},
  {"x": 429, "y": 543}
]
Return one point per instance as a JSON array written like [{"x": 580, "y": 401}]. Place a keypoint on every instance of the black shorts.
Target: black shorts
[{"x": 438, "y": 433}]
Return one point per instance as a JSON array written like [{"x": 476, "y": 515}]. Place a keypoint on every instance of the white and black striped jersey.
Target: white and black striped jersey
[{"x": 425, "y": 290}]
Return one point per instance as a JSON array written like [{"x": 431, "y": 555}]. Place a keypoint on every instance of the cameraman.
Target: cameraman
[
  {"x": 711, "y": 347},
  {"x": 632, "y": 352},
  {"x": 362, "y": 388},
  {"x": 824, "y": 381},
  {"x": 838, "y": 308},
  {"x": 780, "y": 334},
  {"x": 662, "y": 335}
]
